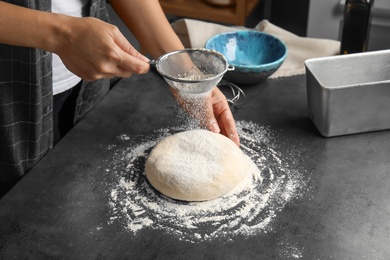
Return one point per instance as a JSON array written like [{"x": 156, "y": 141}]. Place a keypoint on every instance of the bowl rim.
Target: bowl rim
[{"x": 253, "y": 31}]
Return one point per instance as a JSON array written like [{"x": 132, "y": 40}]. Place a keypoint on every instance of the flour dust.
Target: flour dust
[{"x": 246, "y": 211}]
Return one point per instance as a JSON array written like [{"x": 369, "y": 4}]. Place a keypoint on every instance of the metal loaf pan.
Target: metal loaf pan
[{"x": 349, "y": 94}]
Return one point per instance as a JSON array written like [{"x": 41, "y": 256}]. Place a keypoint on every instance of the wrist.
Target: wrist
[{"x": 56, "y": 30}]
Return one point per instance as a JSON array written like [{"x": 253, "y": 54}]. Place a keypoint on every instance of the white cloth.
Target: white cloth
[
  {"x": 63, "y": 79},
  {"x": 194, "y": 34}
]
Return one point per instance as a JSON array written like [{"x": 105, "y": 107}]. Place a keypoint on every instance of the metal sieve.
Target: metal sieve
[{"x": 193, "y": 70}]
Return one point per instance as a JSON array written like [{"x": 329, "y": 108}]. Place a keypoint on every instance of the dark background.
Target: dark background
[{"x": 290, "y": 15}]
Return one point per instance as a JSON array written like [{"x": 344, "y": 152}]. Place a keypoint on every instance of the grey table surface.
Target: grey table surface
[{"x": 60, "y": 209}]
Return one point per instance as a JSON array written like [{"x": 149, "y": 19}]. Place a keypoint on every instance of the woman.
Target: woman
[{"x": 56, "y": 59}]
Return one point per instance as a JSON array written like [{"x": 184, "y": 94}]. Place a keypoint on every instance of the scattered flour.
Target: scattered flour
[{"x": 246, "y": 211}]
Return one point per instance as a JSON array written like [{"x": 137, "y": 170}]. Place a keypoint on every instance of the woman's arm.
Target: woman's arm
[
  {"x": 150, "y": 26},
  {"x": 148, "y": 23},
  {"x": 26, "y": 27},
  {"x": 90, "y": 48}
]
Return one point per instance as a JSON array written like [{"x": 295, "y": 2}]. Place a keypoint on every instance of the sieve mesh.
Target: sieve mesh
[{"x": 192, "y": 70}]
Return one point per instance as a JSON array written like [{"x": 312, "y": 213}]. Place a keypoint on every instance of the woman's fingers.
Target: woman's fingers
[
  {"x": 224, "y": 116},
  {"x": 130, "y": 58},
  {"x": 212, "y": 112},
  {"x": 93, "y": 49}
]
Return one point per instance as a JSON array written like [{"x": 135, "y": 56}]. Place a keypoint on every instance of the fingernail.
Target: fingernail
[{"x": 143, "y": 58}]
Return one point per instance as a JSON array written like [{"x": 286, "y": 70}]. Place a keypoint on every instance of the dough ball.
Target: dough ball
[{"x": 196, "y": 165}]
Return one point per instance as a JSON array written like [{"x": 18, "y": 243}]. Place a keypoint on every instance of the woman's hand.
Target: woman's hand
[
  {"x": 223, "y": 116},
  {"x": 93, "y": 49},
  {"x": 212, "y": 111}
]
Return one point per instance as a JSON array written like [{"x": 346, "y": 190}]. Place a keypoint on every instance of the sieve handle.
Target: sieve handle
[{"x": 230, "y": 68}]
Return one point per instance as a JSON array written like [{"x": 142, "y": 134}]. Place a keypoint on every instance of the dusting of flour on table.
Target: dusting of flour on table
[{"x": 246, "y": 211}]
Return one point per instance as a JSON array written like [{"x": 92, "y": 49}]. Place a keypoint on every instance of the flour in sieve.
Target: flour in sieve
[{"x": 246, "y": 211}]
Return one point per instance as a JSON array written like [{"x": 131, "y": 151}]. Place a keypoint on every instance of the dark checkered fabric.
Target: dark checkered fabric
[{"x": 26, "y": 99}]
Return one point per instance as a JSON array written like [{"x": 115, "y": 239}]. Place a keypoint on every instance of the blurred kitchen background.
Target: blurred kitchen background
[{"x": 311, "y": 18}]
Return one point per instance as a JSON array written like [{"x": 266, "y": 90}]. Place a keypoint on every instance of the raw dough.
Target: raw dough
[{"x": 196, "y": 165}]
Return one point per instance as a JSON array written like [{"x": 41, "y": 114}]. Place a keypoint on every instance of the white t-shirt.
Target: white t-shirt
[{"x": 63, "y": 79}]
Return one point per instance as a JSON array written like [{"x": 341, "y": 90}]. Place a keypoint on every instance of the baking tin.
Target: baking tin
[{"x": 349, "y": 94}]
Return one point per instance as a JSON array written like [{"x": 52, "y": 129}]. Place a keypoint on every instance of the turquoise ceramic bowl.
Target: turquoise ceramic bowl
[{"x": 255, "y": 55}]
